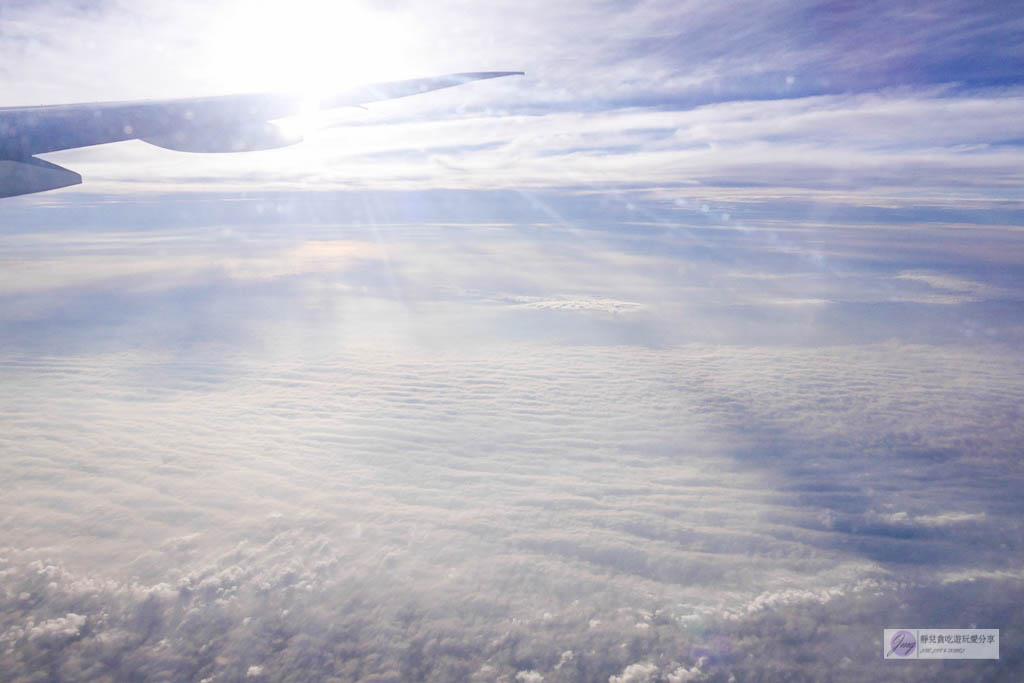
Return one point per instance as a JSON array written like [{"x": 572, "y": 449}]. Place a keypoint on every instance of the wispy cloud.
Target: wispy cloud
[{"x": 606, "y": 108}]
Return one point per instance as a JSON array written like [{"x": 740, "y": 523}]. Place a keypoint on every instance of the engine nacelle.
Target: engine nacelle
[
  {"x": 246, "y": 137},
  {"x": 25, "y": 176}
]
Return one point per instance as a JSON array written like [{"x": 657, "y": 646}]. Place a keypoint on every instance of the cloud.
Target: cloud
[
  {"x": 683, "y": 674},
  {"x": 651, "y": 49},
  {"x": 693, "y": 356},
  {"x": 54, "y": 630},
  {"x": 954, "y": 289},
  {"x": 254, "y": 617},
  {"x": 641, "y": 672},
  {"x": 575, "y": 304},
  {"x": 312, "y": 495},
  {"x": 559, "y": 268},
  {"x": 733, "y": 102},
  {"x": 846, "y": 149},
  {"x": 415, "y": 514}
]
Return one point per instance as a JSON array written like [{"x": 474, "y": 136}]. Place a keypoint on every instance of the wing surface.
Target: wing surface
[{"x": 227, "y": 123}]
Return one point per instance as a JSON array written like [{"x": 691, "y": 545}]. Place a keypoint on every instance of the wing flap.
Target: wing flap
[{"x": 26, "y": 176}]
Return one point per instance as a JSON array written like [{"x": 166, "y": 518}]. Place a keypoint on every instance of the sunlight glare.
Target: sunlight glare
[{"x": 307, "y": 46}]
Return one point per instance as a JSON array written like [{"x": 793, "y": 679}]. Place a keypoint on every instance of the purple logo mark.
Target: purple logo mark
[{"x": 902, "y": 644}]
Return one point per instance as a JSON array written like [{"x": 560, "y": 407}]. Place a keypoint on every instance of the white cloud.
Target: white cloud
[
  {"x": 850, "y": 148},
  {"x": 312, "y": 496},
  {"x": 955, "y": 289},
  {"x": 578, "y": 304},
  {"x": 683, "y": 674},
  {"x": 640, "y": 672},
  {"x": 948, "y": 518},
  {"x": 454, "y": 435},
  {"x": 68, "y": 626},
  {"x": 575, "y": 120}
]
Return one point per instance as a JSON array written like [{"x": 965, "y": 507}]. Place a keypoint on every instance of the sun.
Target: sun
[{"x": 312, "y": 47}]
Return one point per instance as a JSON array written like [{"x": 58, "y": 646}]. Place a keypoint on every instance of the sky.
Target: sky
[{"x": 694, "y": 354}]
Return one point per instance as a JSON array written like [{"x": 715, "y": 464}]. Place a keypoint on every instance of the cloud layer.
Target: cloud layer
[
  {"x": 497, "y": 451},
  {"x": 693, "y": 355},
  {"x": 446, "y": 514}
]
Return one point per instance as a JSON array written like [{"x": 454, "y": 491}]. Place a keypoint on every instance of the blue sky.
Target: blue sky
[{"x": 694, "y": 354}]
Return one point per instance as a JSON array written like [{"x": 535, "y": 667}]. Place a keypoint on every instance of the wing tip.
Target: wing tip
[{"x": 489, "y": 74}]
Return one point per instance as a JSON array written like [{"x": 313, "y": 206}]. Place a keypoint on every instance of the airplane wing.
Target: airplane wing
[{"x": 229, "y": 123}]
